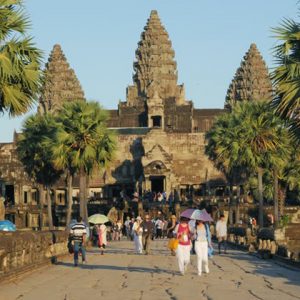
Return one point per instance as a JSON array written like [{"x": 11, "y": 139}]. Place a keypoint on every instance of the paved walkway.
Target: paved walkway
[{"x": 120, "y": 274}]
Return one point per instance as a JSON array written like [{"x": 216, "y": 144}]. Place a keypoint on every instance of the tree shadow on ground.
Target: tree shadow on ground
[
  {"x": 259, "y": 266},
  {"x": 117, "y": 268}
]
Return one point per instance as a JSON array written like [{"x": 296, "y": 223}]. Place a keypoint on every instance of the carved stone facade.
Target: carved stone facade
[{"x": 161, "y": 136}]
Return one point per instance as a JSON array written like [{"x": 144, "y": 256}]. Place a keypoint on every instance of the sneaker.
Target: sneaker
[{"x": 199, "y": 274}]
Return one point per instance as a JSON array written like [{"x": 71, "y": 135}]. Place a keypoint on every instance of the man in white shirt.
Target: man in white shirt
[{"x": 221, "y": 230}]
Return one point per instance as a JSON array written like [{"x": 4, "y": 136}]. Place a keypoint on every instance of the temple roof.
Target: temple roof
[
  {"x": 60, "y": 83},
  {"x": 155, "y": 67},
  {"x": 251, "y": 81}
]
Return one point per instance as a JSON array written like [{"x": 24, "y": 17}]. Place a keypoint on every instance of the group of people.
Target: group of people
[{"x": 189, "y": 234}]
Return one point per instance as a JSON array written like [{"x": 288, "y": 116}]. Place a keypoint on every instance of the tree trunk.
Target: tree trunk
[
  {"x": 49, "y": 202},
  {"x": 230, "y": 213},
  {"x": 41, "y": 205},
  {"x": 237, "y": 211},
  {"x": 260, "y": 197},
  {"x": 82, "y": 193},
  {"x": 69, "y": 198},
  {"x": 276, "y": 210}
]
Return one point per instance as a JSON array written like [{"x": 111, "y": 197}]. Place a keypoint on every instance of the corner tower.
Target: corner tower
[
  {"x": 251, "y": 81},
  {"x": 60, "y": 84}
]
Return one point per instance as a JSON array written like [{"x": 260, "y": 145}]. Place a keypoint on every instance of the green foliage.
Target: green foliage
[
  {"x": 82, "y": 139},
  {"x": 248, "y": 138},
  {"x": 34, "y": 151},
  {"x": 286, "y": 75},
  {"x": 20, "y": 74},
  {"x": 284, "y": 220}
]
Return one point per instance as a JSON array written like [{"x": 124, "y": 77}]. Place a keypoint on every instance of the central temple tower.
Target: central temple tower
[{"x": 155, "y": 67}]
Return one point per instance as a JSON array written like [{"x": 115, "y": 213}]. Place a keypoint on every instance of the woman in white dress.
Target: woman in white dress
[{"x": 137, "y": 235}]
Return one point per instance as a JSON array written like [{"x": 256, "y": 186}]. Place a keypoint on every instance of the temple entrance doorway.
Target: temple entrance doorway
[{"x": 157, "y": 183}]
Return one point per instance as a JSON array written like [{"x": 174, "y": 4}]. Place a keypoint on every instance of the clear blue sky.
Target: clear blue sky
[{"x": 99, "y": 39}]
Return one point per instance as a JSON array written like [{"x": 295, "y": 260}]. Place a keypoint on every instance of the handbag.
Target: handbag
[
  {"x": 70, "y": 247},
  {"x": 173, "y": 244}
]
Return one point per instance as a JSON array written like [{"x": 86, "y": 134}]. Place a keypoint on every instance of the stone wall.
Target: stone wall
[{"x": 21, "y": 251}]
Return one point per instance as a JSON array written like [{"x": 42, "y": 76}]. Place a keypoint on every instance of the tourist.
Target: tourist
[
  {"x": 221, "y": 230},
  {"x": 78, "y": 234},
  {"x": 102, "y": 234},
  {"x": 159, "y": 225},
  {"x": 147, "y": 226},
  {"x": 183, "y": 234},
  {"x": 202, "y": 243},
  {"x": 171, "y": 227},
  {"x": 137, "y": 235},
  {"x": 127, "y": 227}
]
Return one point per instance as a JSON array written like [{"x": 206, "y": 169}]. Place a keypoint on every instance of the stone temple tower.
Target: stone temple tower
[
  {"x": 155, "y": 78},
  {"x": 60, "y": 84},
  {"x": 251, "y": 81},
  {"x": 155, "y": 67}
]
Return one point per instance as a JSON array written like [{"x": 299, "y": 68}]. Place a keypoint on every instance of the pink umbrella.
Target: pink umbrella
[
  {"x": 187, "y": 213},
  {"x": 205, "y": 216},
  {"x": 197, "y": 214}
]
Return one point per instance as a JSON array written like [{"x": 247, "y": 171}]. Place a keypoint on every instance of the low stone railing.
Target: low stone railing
[
  {"x": 242, "y": 236},
  {"x": 21, "y": 251}
]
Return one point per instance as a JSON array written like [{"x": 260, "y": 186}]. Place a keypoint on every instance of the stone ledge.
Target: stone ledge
[{"x": 23, "y": 251}]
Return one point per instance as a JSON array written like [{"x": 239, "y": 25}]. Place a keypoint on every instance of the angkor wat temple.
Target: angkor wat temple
[{"x": 161, "y": 135}]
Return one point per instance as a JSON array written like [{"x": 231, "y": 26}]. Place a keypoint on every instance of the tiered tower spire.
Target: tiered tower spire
[
  {"x": 61, "y": 83},
  {"x": 251, "y": 81},
  {"x": 155, "y": 67}
]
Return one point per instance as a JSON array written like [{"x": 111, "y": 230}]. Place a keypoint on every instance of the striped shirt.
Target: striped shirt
[{"x": 78, "y": 230}]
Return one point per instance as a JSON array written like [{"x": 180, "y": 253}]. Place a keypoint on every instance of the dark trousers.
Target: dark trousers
[
  {"x": 146, "y": 239},
  {"x": 158, "y": 233},
  {"x": 78, "y": 247},
  {"x": 222, "y": 241}
]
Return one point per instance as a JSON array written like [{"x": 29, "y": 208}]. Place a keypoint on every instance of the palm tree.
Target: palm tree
[
  {"x": 20, "y": 60},
  {"x": 286, "y": 75},
  {"x": 250, "y": 138},
  {"x": 83, "y": 142},
  {"x": 34, "y": 152}
]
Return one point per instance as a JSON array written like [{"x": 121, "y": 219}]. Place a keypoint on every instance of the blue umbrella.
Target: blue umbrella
[{"x": 7, "y": 226}]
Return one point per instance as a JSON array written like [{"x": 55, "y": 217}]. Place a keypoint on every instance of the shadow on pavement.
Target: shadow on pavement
[
  {"x": 116, "y": 268},
  {"x": 262, "y": 267}
]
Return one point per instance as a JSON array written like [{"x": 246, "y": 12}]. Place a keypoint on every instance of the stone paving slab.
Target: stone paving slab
[{"x": 121, "y": 274}]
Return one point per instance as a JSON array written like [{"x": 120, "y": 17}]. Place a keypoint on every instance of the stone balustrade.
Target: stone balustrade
[{"x": 21, "y": 251}]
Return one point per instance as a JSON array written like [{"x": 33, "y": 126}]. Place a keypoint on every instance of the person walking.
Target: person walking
[
  {"x": 202, "y": 243},
  {"x": 170, "y": 229},
  {"x": 102, "y": 234},
  {"x": 78, "y": 234},
  {"x": 137, "y": 235},
  {"x": 147, "y": 226},
  {"x": 159, "y": 224},
  {"x": 221, "y": 230},
  {"x": 127, "y": 227},
  {"x": 183, "y": 234}
]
